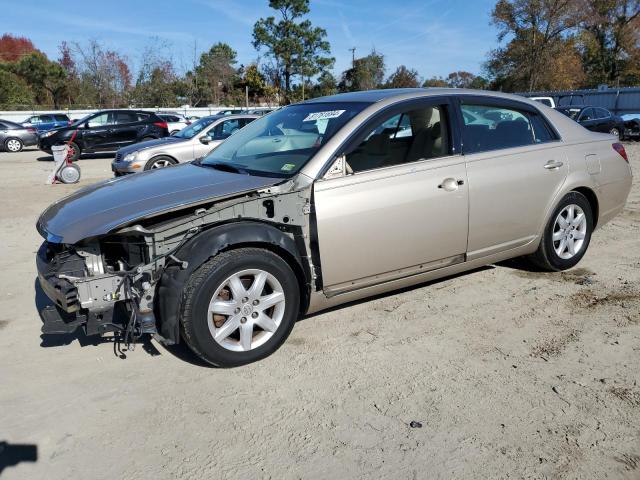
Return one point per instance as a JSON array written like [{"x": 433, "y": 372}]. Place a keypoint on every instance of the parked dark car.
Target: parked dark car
[
  {"x": 105, "y": 131},
  {"x": 631, "y": 125},
  {"x": 46, "y": 121},
  {"x": 596, "y": 119},
  {"x": 14, "y": 136}
]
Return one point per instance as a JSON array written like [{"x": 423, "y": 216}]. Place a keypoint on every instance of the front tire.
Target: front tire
[
  {"x": 567, "y": 234},
  {"x": 13, "y": 145},
  {"x": 239, "y": 307},
  {"x": 615, "y": 132},
  {"x": 161, "y": 161}
]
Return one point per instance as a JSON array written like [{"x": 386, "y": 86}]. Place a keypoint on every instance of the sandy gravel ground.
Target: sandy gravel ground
[{"x": 512, "y": 374}]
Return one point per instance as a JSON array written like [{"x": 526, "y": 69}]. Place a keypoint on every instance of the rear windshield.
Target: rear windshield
[{"x": 281, "y": 143}]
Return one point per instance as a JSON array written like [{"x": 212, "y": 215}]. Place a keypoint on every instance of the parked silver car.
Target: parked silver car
[
  {"x": 321, "y": 203},
  {"x": 13, "y": 136},
  {"x": 175, "y": 121},
  {"x": 192, "y": 142}
]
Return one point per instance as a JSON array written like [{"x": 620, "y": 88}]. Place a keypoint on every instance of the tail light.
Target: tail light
[
  {"x": 618, "y": 147},
  {"x": 161, "y": 125},
  {"x": 31, "y": 130}
]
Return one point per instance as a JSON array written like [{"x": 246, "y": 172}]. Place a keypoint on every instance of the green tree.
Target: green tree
[
  {"x": 47, "y": 79},
  {"x": 403, "y": 77},
  {"x": 367, "y": 73},
  {"x": 326, "y": 85},
  {"x": 435, "y": 82},
  {"x": 217, "y": 69},
  {"x": 610, "y": 41},
  {"x": 297, "y": 47},
  {"x": 14, "y": 92},
  {"x": 539, "y": 32}
]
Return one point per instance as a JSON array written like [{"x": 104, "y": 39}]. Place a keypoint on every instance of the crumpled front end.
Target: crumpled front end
[{"x": 91, "y": 286}]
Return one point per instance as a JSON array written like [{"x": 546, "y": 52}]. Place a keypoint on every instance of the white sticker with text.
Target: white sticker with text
[{"x": 312, "y": 117}]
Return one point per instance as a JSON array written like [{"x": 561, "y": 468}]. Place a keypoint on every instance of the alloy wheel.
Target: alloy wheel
[
  {"x": 160, "y": 164},
  {"x": 569, "y": 231},
  {"x": 246, "y": 310},
  {"x": 14, "y": 145}
]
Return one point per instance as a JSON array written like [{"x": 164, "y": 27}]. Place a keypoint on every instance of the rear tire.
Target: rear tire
[
  {"x": 566, "y": 236},
  {"x": 161, "y": 161},
  {"x": 13, "y": 145},
  {"x": 258, "y": 321}
]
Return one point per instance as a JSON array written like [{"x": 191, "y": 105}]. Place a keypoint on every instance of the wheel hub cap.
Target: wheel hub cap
[
  {"x": 246, "y": 310},
  {"x": 569, "y": 232}
]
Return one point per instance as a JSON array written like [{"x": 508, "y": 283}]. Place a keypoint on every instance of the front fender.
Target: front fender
[{"x": 206, "y": 245}]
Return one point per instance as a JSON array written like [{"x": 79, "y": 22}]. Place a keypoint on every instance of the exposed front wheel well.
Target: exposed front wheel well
[{"x": 593, "y": 202}]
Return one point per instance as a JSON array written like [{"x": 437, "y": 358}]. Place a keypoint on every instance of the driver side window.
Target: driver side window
[
  {"x": 410, "y": 136},
  {"x": 99, "y": 120},
  {"x": 225, "y": 129}
]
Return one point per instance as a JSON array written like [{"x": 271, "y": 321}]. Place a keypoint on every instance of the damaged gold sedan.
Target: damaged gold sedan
[{"x": 320, "y": 203}]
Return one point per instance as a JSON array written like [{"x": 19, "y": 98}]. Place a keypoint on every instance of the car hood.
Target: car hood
[
  {"x": 103, "y": 207},
  {"x": 136, "y": 147}
]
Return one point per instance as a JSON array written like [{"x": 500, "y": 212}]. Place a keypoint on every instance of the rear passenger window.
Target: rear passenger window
[
  {"x": 410, "y": 136},
  {"x": 542, "y": 132},
  {"x": 125, "y": 117},
  {"x": 61, "y": 118},
  {"x": 492, "y": 128},
  {"x": 143, "y": 117}
]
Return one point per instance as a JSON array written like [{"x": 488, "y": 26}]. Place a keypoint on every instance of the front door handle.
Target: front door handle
[
  {"x": 450, "y": 184},
  {"x": 553, "y": 165}
]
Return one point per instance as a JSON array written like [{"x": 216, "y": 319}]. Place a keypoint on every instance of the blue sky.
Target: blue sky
[{"x": 433, "y": 36}]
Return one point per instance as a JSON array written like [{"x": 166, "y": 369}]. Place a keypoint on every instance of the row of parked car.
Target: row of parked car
[{"x": 103, "y": 131}]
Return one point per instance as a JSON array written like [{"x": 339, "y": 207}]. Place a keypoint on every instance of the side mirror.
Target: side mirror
[{"x": 205, "y": 139}]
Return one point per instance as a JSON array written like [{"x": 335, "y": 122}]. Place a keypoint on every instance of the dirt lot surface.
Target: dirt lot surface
[{"x": 511, "y": 373}]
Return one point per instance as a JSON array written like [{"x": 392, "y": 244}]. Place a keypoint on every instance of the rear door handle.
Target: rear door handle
[{"x": 553, "y": 165}]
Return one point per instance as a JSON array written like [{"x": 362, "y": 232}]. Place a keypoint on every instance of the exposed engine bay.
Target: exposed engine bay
[{"x": 111, "y": 283}]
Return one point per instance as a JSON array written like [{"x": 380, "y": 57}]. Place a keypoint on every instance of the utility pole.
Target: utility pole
[
  {"x": 246, "y": 96},
  {"x": 353, "y": 56}
]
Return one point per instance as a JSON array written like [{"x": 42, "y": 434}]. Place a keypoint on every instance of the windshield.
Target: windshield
[
  {"x": 572, "y": 113},
  {"x": 281, "y": 143},
  {"x": 195, "y": 128}
]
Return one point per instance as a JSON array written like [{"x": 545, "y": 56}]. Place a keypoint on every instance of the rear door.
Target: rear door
[
  {"x": 124, "y": 130},
  {"x": 401, "y": 208},
  {"x": 515, "y": 165}
]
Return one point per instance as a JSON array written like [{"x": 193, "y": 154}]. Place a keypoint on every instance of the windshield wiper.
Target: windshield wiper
[{"x": 225, "y": 167}]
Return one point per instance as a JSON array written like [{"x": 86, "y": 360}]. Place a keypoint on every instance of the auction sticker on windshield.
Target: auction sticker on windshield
[{"x": 312, "y": 117}]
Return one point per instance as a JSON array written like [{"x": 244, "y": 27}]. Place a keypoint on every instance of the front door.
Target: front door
[
  {"x": 401, "y": 208},
  {"x": 96, "y": 133}
]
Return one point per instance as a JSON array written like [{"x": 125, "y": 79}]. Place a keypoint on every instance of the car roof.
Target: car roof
[{"x": 392, "y": 94}]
